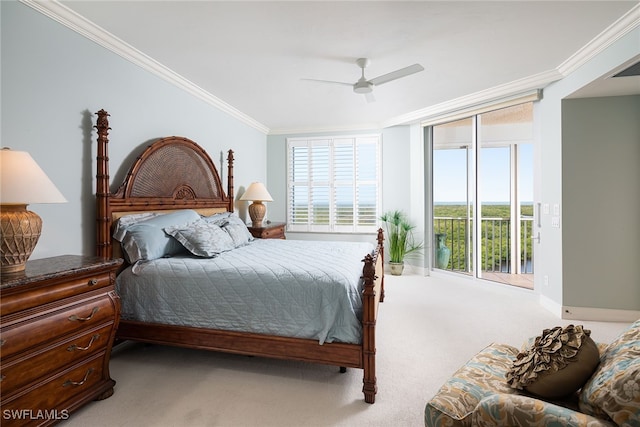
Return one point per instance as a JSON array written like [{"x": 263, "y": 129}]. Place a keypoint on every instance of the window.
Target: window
[
  {"x": 483, "y": 193},
  {"x": 333, "y": 184}
]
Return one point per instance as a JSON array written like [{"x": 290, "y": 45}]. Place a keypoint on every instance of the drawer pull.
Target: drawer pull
[
  {"x": 93, "y": 282},
  {"x": 74, "y": 317},
  {"x": 76, "y": 347},
  {"x": 2, "y": 341},
  {"x": 78, "y": 383},
  {"x": 2, "y": 377}
]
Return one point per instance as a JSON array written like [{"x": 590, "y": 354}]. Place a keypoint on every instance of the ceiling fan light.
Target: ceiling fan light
[{"x": 364, "y": 87}]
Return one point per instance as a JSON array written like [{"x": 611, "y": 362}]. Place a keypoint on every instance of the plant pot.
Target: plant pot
[{"x": 396, "y": 268}]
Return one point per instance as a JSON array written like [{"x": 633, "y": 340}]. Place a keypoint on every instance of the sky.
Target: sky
[{"x": 449, "y": 170}]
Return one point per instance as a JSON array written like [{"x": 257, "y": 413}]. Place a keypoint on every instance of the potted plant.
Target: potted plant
[{"x": 400, "y": 240}]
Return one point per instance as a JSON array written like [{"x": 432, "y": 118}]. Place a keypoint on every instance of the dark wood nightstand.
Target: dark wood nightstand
[
  {"x": 58, "y": 320},
  {"x": 272, "y": 230}
]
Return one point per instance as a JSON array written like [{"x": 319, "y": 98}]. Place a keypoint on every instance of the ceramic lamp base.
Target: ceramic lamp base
[
  {"x": 256, "y": 212},
  {"x": 20, "y": 233}
]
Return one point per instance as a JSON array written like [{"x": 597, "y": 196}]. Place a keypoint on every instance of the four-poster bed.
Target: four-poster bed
[{"x": 175, "y": 174}]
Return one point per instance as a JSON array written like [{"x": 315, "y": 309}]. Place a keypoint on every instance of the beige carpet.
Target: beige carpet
[{"x": 427, "y": 328}]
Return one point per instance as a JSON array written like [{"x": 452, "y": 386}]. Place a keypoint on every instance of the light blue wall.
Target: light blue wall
[
  {"x": 566, "y": 287},
  {"x": 53, "y": 80}
]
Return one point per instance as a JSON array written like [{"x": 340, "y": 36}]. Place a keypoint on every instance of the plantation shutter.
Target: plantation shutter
[
  {"x": 320, "y": 186},
  {"x": 343, "y": 181},
  {"x": 367, "y": 176},
  {"x": 299, "y": 183},
  {"x": 334, "y": 184}
]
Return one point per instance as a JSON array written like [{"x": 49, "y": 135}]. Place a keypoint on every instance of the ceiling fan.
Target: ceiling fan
[{"x": 364, "y": 86}]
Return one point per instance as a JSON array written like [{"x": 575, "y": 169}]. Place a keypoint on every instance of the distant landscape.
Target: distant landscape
[
  {"x": 450, "y": 219},
  {"x": 494, "y": 209}
]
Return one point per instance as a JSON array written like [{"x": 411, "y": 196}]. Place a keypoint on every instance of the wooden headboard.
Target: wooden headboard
[{"x": 172, "y": 173}]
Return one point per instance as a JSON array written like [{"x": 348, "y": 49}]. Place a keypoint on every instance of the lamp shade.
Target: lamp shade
[
  {"x": 22, "y": 182},
  {"x": 257, "y": 191}
]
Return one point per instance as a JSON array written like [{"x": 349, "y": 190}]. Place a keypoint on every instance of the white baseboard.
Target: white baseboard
[
  {"x": 599, "y": 314},
  {"x": 589, "y": 313},
  {"x": 551, "y": 305}
]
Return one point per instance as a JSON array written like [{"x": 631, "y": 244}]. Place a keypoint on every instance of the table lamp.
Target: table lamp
[
  {"x": 22, "y": 182},
  {"x": 258, "y": 194}
]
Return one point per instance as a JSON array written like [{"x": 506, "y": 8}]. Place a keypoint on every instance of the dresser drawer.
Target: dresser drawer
[
  {"x": 26, "y": 368},
  {"x": 57, "y": 323},
  {"x": 13, "y": 302},
  {"x": 45, "y": 327},
  {"x": 56, "y": 391}
]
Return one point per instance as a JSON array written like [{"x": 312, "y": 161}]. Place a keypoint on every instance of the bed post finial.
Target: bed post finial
[
  {"x": 230, "y": 180},
  {"x": 103, "y": 238}
]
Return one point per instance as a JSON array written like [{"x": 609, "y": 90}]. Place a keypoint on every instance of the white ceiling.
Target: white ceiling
[{"x": 254, "y": 55}]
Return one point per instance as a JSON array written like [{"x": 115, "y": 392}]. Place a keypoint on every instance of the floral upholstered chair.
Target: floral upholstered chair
[{"x": 491, "y": 389}]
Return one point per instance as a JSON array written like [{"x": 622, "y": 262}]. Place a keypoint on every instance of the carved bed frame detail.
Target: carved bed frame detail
[{"x": 176, "y": 173}]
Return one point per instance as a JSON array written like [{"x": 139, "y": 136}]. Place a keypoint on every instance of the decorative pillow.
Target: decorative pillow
[
  {"x": 202, "y": 238},
  {"x": 146, "y": 240},
  {"x": 121, "y": 225},
  {"x": 218, "y": 218},
  {"x": 237, "y": 229},
  {"x": 613, "y": 391},
  {"x": 559, "y": 362}
]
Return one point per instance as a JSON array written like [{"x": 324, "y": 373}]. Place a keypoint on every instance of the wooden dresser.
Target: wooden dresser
[
  {"x": 57, "y": 324},
  {"x": 272, "y": 230}
]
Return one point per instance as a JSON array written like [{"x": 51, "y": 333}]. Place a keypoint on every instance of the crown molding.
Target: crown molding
[
  {"x": 70, "y": 19},
  {"x": 493, "y": 94},
  {"x": 625, "y": 24}
]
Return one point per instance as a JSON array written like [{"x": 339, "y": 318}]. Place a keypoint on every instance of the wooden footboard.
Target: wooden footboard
[{"x": 147, "y": 187}]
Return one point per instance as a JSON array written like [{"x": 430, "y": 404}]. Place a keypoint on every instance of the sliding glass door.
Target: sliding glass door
[
  {"x": 453, "y": 195},
  {"x": 485, "y": 162}
]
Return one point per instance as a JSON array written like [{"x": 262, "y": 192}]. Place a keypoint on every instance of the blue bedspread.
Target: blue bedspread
[{"x": 289, "y": 288}]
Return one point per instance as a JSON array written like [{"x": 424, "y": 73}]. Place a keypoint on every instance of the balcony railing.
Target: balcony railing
[{"x": 496, "y": 244}]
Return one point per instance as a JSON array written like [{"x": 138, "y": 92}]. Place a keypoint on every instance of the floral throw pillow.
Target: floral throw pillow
[{"x": 614, "y": 389}]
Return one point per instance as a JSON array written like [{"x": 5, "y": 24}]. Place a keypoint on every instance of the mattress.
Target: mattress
[{"x": 291, "y": 288}]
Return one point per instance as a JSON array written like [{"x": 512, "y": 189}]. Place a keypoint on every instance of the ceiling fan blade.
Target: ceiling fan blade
[
  {"x": 394, "y": 75},
  {"x": 329, "y": 81},
  {"x": 369, "y": 97}
]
